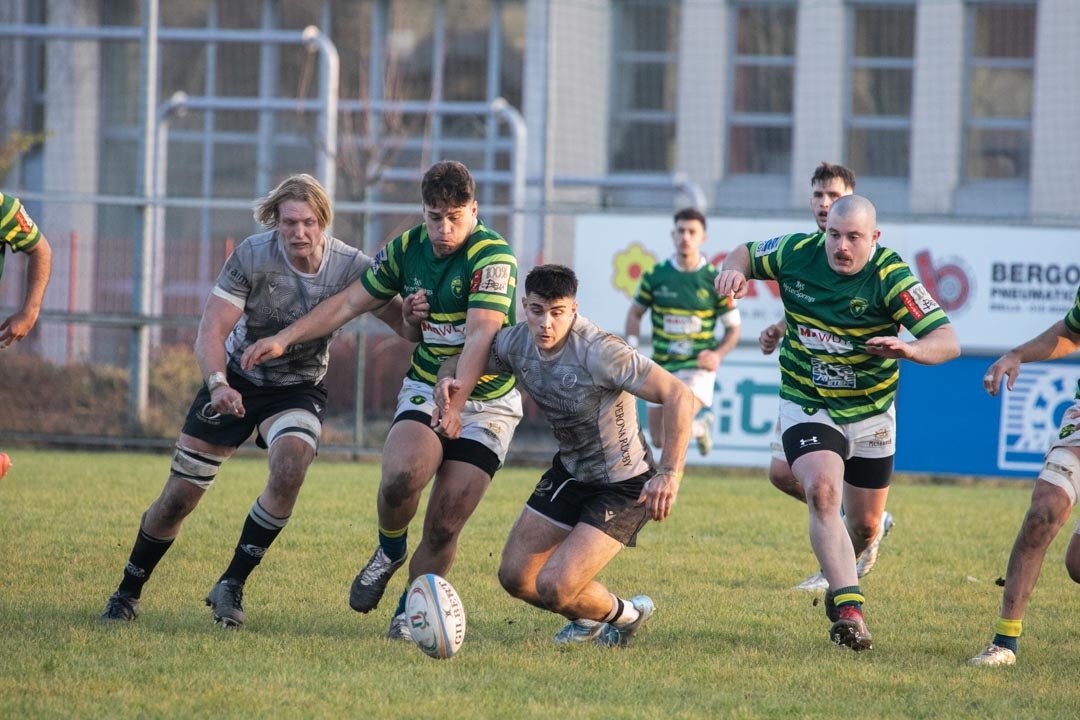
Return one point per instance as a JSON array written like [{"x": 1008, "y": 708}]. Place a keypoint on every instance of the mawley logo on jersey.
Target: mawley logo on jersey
[{"x": 814, "y": 338}]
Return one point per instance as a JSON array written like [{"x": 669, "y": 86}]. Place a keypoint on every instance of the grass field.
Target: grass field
[{"x": 729, "y": 638}]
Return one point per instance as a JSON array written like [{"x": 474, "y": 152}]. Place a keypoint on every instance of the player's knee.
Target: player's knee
[
  {"x": 551, "y": 591},
  {"x": 396, "y": 488},
  {"x": 1072, "y": 560},
  {"x": 512, "y": 581},
  {"x": 287, "y": 470},
  {"x": 822, "y": 497},
  {"x": 862, "y": 528}
]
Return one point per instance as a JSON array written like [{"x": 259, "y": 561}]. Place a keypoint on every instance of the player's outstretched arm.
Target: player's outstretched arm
[
  {"x": 678, "y": 407},
  {"x": 937, "y": 346},
  {"x": 38, "y": 269},
  {"x": 324, "y": 319},
  {"x": 1054, "y": 342}
]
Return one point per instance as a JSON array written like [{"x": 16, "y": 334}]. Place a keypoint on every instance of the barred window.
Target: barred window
[
  {"x": 762, "y": 88},
  {"x": 643, "y": 97},
  {"x": 881, "y": 69},
  {"x": 1000, "y": 79}
]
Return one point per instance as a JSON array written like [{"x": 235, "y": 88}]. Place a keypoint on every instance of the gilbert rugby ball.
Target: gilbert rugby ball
[{"x": 436, "y": 616}]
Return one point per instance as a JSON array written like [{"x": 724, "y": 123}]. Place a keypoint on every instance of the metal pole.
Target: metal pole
[
  {"x": 139, "y": 360},
  {"x": 329, "y": 82},
  {"x": 516, "y": 122}
]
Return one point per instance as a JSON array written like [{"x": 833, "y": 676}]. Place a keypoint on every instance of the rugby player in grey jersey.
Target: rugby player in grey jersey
[
  {"x": 270, "y": 280},
  {"x": 603, "y": 485}
]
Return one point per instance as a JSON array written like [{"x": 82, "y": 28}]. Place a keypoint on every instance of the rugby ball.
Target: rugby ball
[{"x": 436, "y": 616}]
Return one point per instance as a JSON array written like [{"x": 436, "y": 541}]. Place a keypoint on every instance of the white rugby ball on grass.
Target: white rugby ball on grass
[{"x": 436, "y": 616}]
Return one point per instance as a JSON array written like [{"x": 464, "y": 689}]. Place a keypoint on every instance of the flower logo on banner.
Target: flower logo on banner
[{"x": 630, "y": 265}]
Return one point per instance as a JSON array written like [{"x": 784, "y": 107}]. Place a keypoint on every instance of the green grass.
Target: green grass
[{"x": 729, "y": 638}]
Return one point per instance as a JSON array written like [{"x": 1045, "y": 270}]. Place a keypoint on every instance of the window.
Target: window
[
  {"x": 1000, "y": 78},
  {"x": 645, "y": 78},
  {"x": 762, "y": 88},
  {"x": 881, "y": 67}
]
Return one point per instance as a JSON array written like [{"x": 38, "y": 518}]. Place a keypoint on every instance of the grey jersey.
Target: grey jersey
[
  {"x": 261, "y": 281},
  {"x": 585, "y": 393}
]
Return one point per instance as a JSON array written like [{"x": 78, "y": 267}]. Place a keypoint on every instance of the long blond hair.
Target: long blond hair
[{"x": 301, "y": 187}]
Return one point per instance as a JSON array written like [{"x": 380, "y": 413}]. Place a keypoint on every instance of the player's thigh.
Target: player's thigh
[
  {"x": 531, "y": 541},
  {"x": 580, "y": 557},
  {"x": 292, "y": 437},
  {"x": 458, "y": 489},
  {"x": 411, "y": 455},
  {"x": 1072, "y": 554}
]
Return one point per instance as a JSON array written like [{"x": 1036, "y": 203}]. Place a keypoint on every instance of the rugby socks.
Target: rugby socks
[
  {"x": 622, "y": 613},
  {"x": 1007, "y": 633},
  {"x": 849, "y": 596},
  {"x": 401, "y": 603},
  {"x": 394, "y": 542},
  {"x": 145, "y": 555},
  {"x": 260, "y": 530}
]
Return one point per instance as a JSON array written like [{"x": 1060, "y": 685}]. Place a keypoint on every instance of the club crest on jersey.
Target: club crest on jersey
[
  {"x": 858, "y": 306},
  {"x": 456, "y": 286}
]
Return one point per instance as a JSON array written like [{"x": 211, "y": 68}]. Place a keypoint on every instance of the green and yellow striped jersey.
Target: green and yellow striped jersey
[
  {"x": 684, "y": 307},
  {"x": 823, "y": 363},
  {"x": 482, "y": 274},
  {"x": 17, "y": 230}
]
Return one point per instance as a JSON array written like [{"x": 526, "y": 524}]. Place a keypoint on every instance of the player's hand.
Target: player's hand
[
  {"x": 227, "y": 401},
  {"x": 445, "y": 420},
  {"x": 708, "y": 360},
  {"x": 260, "y": 351},
  {"x": 415, "y": 308},
  {"x": 17, "y": 326},
  {"x": 1006, "y": 367},
  {"x": 658, "y": 495},
  {"x": 890, "y": 346},
  {"x": 731, "y": 283},
  {"x": 769, "y": 339}
]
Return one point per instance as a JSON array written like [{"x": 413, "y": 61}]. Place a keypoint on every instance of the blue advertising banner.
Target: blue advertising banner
[{"x": 947, "y": 424}]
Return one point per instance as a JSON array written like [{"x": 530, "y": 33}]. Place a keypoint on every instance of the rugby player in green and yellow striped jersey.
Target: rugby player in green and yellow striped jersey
[
  {"x": 19, "y": 232},
  {"x": 845, "y": 298},
  {"x": 458, "y": 279},
  {"x": 685, "y": 308}
]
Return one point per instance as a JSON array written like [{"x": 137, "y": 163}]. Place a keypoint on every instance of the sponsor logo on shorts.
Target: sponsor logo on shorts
[
  {"x": 1066, "y": 431},
  {"x": 543, "y": 487},
  {"x": 608, "y": 515},
  {"x": 493, "y": 429},
  {"x": 208, "y": 415},
  {"x": 809, "y": 442},
  {"x": 417, "y": 399},
  {"x": 882, "y": 438}
]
